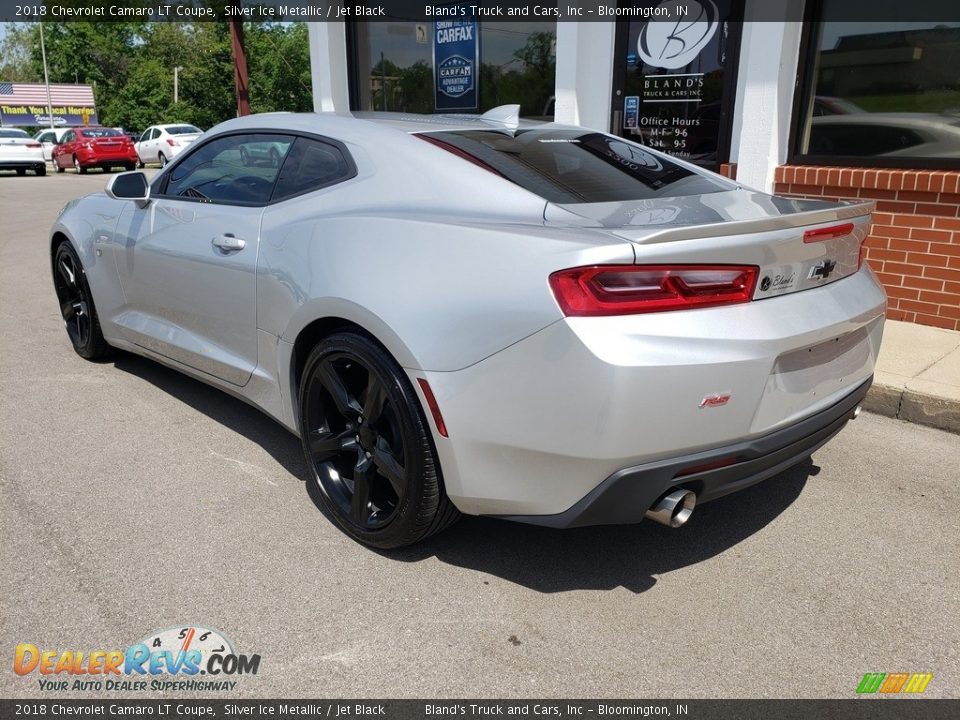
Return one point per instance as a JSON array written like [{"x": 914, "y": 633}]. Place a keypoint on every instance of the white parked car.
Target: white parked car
[
  {"x": 49, "y": 139},
  {"x": 162, "y": 143},
  {"x": 20, "y": 152}
]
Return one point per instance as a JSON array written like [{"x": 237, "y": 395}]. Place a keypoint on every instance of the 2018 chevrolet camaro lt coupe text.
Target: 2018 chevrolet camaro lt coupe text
[{"x": 476, "y": 314}]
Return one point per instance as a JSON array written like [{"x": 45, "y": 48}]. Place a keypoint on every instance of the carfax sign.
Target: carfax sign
[{"x": 456, "y": 64}]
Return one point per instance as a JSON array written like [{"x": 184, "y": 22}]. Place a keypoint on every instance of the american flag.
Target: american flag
[{"x": 36, "y": 94}]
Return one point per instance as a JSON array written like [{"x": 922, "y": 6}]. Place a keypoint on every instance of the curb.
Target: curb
[{"x": 905, "y": 404}]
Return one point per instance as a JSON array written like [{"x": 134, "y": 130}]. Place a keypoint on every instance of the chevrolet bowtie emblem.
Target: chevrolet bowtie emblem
[{"x": 822, "y": 270}]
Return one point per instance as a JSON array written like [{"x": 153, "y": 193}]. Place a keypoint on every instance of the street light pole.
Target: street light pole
[
  {"x": 46, "y": 77},
  {"x": 176, "y": 84}
]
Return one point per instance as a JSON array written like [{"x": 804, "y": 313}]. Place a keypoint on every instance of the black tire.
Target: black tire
[
  {"x": 21, "y": 171},
  {"x": 58, "y": 166},
  {"x": 129, "y": 166},
  {"x": 81, "y": 170},
  {"x": 361, "y": 422},
  {"x": 76, "y": 304},
  {"x": 162, "y": 159},
  {"x": 140, "y": 164},
  {"x": 41, "y": 170}
]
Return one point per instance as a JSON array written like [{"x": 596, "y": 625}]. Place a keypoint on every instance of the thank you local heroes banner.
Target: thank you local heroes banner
[
  {"x": 38, "y": 116},
  {"x": 36, "y": 105},
  {"x": 456, "y": 61}
]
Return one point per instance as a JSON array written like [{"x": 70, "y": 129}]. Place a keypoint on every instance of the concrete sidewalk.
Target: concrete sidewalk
[{"x": 918, "y": 376}]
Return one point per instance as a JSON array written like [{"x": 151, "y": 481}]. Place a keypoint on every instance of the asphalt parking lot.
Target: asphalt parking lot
[{"x": 133, "y": 499}]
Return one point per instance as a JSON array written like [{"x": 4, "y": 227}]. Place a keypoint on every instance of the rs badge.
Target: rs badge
[{"x": 715, "y": 400}]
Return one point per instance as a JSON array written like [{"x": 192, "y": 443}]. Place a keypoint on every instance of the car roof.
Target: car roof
[
  {"x": 170, "y": 125},
  {"x": 356, "y": 125}
]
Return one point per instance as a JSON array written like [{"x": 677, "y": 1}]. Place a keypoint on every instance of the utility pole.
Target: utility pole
[
  {"x": 46, "y": 77},
  {"x": 240, "y": 75},
  {"x": 176, "y": 84}
]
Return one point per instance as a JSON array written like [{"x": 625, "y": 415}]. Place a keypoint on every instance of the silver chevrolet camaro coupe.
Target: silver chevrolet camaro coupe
[{"x": 481, "y": 315}]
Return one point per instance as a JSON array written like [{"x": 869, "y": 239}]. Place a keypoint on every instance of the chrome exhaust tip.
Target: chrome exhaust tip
[
  {"x": 674, "y": 508},
  {"x": 856, "y": 412}
]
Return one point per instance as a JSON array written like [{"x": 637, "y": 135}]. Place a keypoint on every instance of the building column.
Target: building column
[
  {"x": 328, "y": 66},
  {"x": 584, "y": 73},
  {"x": 769, "y": 55}
]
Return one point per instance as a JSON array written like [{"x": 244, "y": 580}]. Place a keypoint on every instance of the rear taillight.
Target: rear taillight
[
  {"x": 629, "y": 289},
  {"x": 171, "y": 142},
  {"x": 34, "y": 145}
]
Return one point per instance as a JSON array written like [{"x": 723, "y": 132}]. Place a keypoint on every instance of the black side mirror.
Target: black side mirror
[{"x": 129, "y": 186}]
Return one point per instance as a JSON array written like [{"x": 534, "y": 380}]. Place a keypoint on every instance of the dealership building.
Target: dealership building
[{"x": 801, "y": 99}]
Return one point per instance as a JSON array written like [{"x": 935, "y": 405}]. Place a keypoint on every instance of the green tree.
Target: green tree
[
  {"x": 16, "y": 57},
  {"x": 278, "y": 60}
]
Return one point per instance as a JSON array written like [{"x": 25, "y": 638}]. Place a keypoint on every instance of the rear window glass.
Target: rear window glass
[
  {"x": 183, "y": 130},
  {"x": 101, "y": 132},
  {"x": 576, "y": 166},
  {"x": 14, "y": 133}
]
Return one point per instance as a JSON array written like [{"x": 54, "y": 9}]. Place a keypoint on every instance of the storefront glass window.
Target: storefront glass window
[
  {"x": 887, "y": 93},
  {"x": 394, "y": 66}
]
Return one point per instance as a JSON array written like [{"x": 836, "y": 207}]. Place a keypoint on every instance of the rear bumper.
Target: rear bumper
[
  {"x": 540, "y": 425},
  {"x": 100, "y": 159},
  {"x": 625, "y": 496},
  {"x": 27, "y": 162}
]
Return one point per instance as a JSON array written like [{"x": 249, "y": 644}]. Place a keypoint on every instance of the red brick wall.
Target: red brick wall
[{"x": 914, "y": 243}]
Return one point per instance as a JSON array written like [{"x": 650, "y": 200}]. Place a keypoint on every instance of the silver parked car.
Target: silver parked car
[{"x": 480, "y": 315}]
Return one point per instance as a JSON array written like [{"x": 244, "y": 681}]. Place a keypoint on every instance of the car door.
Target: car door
[
  {"x": 188, "y": 260},
  {"x": 63, "y": 151},
  {"x": 143, "y": 145},
  {"x": 47, "y": 140}
]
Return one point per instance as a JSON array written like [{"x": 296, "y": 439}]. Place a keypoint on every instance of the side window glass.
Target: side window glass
[
  {"x": 236, "y": 169},
  {"x": 155, "y": 133},
  {"x": 68, "y": 137},
  {"x": 146, "y": 135},
  {"x": 311, "y": 165}
]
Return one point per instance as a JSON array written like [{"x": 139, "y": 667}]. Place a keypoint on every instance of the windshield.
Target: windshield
[
  {"x": 183, "y": 130},
  {"x": 576, "y": 166},
  {"x": 10, "y": 133}
]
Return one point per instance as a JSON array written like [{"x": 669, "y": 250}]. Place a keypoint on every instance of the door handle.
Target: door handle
[{"x": 228, "y": 243}]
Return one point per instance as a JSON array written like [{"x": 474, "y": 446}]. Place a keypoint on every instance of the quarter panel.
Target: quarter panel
[{"x": 440, "y": 293}]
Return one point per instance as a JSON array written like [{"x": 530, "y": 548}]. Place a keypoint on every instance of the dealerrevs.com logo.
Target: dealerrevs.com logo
[{"x": 172, "y": 659}]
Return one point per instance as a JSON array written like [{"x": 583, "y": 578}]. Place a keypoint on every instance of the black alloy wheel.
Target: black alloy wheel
[
  {"x": 368, "y": 445},
  {"x": 76, "y": 304}
]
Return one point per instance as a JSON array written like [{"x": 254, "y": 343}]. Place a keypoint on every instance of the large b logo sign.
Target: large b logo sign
[{"x": 674, "y": 43}]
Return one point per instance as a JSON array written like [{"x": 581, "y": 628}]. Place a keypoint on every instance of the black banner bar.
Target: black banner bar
[
  {"x": 873, "y": 708},
  {"x": 939, "y": 11}
]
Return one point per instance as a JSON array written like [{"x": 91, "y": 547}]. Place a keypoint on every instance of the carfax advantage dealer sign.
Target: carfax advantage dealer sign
[{"x": 456, "y": 61}]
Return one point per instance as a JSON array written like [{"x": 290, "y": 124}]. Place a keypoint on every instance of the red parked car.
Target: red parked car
[{"x": 87, "y": 147}]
